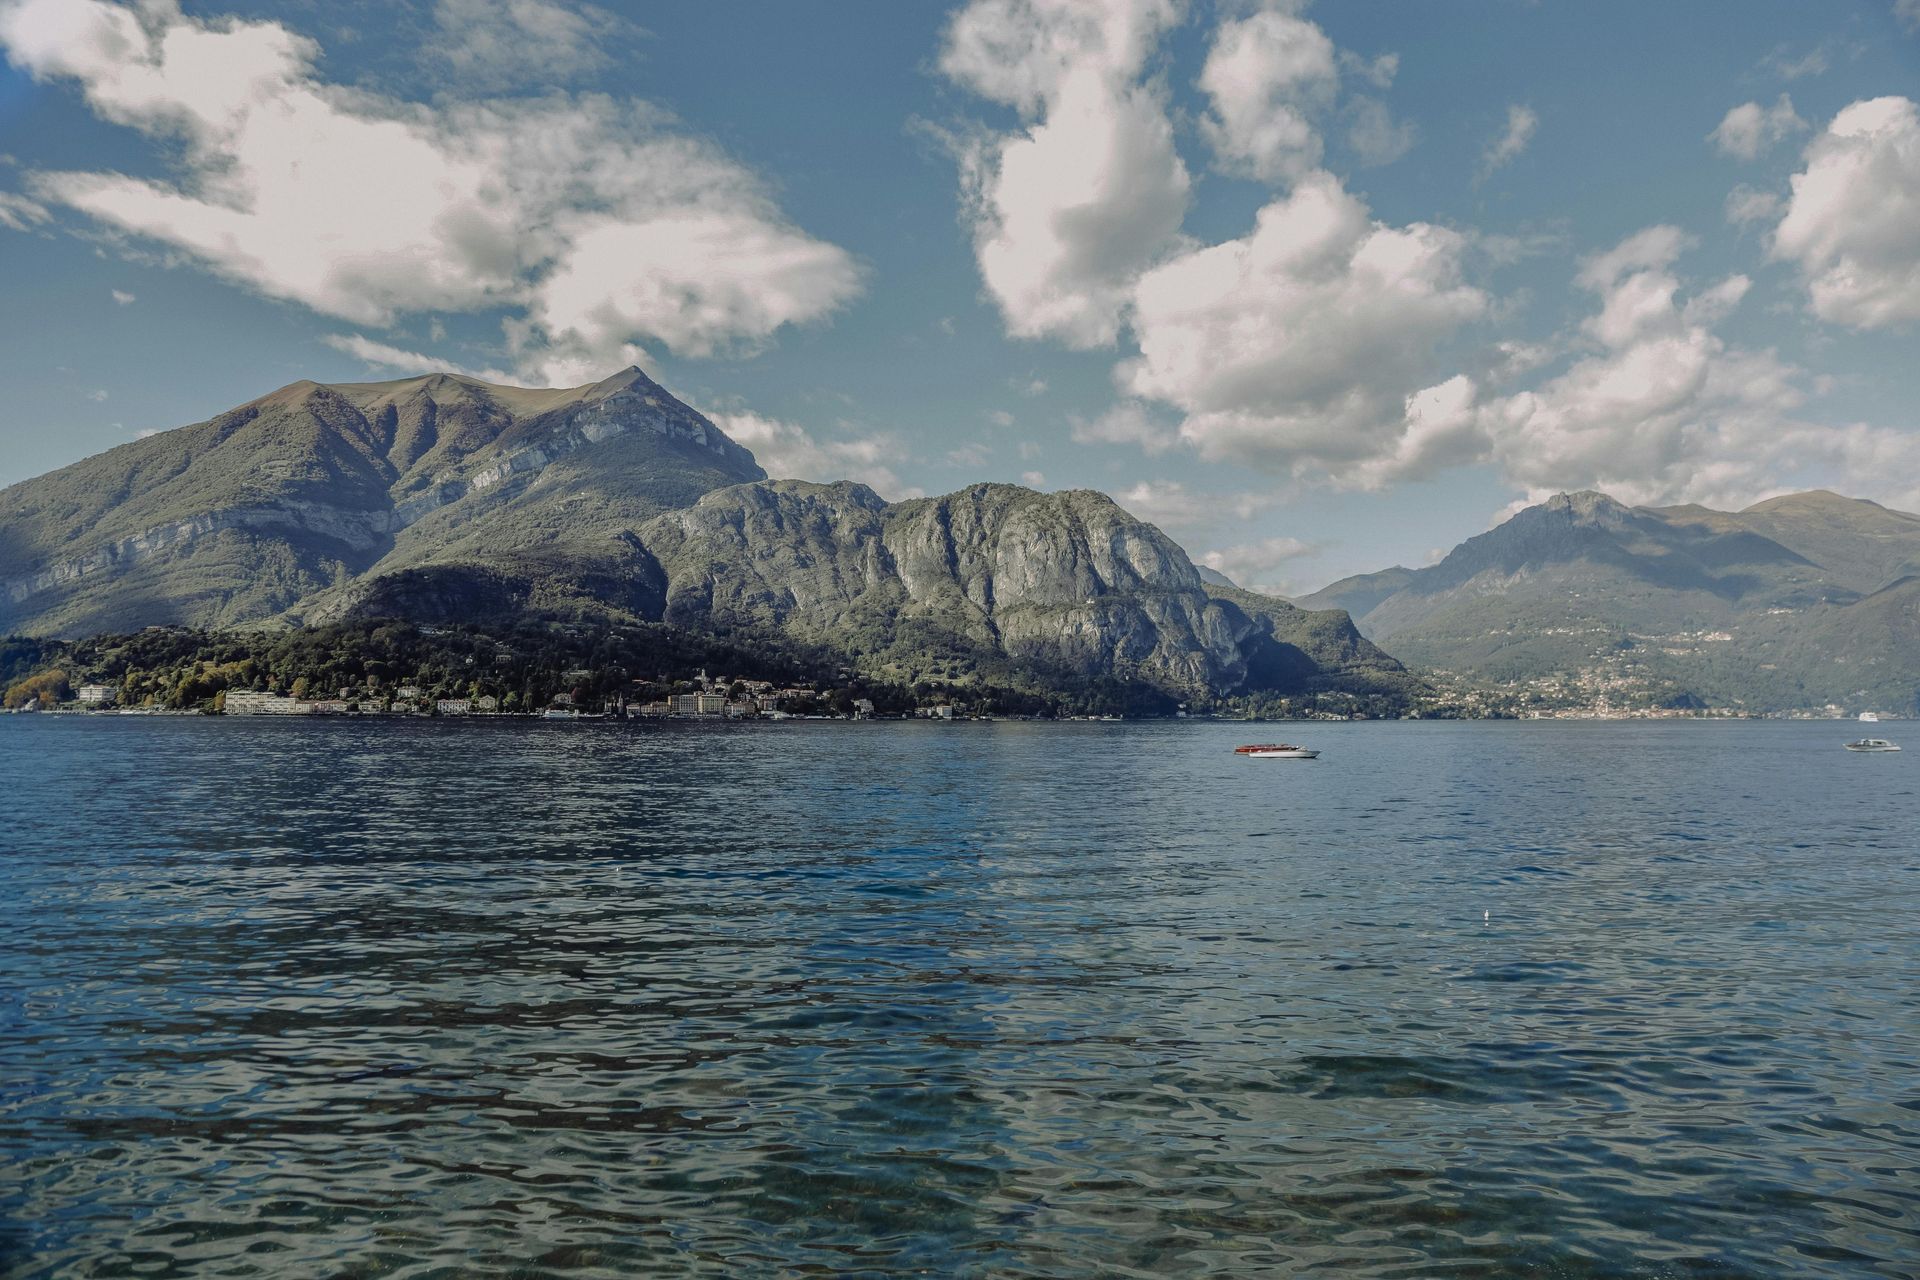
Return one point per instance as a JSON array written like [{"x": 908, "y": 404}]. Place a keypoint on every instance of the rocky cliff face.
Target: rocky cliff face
[
  {"x": 447, "y": 499},
  {"x": 993, "y": 573}
]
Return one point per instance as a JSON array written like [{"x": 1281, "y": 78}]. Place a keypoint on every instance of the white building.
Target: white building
[
  {"x": 243, "y": 702},
  {"x": 96, "y": 695}
]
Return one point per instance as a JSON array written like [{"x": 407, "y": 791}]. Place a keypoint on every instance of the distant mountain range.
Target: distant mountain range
[
  {"x": 1800, "y": 601},
  {"x": 445, "y": 498}
]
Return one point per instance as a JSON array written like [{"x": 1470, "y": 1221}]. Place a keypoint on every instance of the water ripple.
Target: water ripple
[{"x": 1041, "y": 1001}]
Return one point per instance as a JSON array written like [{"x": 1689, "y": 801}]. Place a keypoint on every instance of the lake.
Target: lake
[{"x": 437, "y": 998}]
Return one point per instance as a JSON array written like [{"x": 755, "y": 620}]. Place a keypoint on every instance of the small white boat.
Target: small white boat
[
  {"x": 559, "y": 713},
  {"x": 1872, "y": 744},
  {"x": 1869, "y": 717},
  {"x": 1275, "y": 751}
]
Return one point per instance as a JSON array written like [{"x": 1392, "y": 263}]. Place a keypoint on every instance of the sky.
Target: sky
[{"x": 1317, "y": 288}]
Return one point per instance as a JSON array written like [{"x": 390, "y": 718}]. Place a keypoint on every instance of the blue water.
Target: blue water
[{"x": 431, "y": 999}]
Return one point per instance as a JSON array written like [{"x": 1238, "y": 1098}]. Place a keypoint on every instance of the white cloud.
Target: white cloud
[
  {"x": 1067, "y": 211},
  {"x": 789, "y": 451},
  {"x": 97, "y": 394},
  {"x": 1746, "y": 204},
  {"x": 1172, "y": 505},
  {"x": 123, "y": 298},
  {"x": 1128, "y": 422},
  {"x": 1522, "y": 121},
  {"x": 1658, "y": 408},
  {"x": 1033, "y": 479},
  {"x": 1257, "y": 565},
  {"x": 18, "y": 213},
  {"x": 1852, "y": 224},
  {"x": 1751, "y": 129},
  {"x": 1908, "y": 12},
  {"x": 1268, "y": 76},
  {"x": 497, "y": 44},
  {"x": 1375, "y": 136},
  {"x": 1298, "y": 344},
  {"x": 381, "y": 355},
  {"x": 594, "y": 225},
  {"x": 1271, "y": 79},
  {"x": 1000, "y": 418}
]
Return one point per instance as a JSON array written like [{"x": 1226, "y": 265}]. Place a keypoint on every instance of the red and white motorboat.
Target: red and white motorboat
[{"x": 1276, "y": 751}]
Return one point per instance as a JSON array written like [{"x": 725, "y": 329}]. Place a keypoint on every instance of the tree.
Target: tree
[
  {"x": 52, "y": 685},
  {"x": 300, "y": 687}
]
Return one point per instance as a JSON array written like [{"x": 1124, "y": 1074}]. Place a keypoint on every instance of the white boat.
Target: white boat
[
  {"x": 1872, "y": 744},
  {"x": 1869, "y": 717},
  {"x": 559, "y": 713},
  {"x": 1275, "y": 751}
]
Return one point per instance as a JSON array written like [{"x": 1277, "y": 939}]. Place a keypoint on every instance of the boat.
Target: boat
[
  {"x": 1872, "y": 744},
  {"x": 1276, "y": 751},
  {"x": 559, "y": 713},
  {"x": 1869, "y": 717}
]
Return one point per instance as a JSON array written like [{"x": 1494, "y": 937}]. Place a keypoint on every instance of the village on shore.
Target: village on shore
[{"x": 708, "y": 697}]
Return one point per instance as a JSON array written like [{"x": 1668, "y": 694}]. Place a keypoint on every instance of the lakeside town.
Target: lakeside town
[
  {"x": 568, "y": 672},
  {"x": 707, "y": 697}
]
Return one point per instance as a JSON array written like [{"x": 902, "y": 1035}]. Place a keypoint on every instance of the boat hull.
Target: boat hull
[{"x": 1292, "y": 753}]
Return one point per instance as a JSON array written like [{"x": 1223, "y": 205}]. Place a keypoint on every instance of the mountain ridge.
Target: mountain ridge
[
  {"x": 1582, "y": 592},
  {"x": 447, "y": 498}
]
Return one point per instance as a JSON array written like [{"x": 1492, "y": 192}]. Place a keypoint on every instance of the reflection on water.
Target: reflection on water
[{"x": 1475, "y": 1000}]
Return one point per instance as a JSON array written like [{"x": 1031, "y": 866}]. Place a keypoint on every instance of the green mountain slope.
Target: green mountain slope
[
  {"x": 238, "y": 518},
  {"x": 1764, "y": 609},
  {"x": 446, "y": 499}
]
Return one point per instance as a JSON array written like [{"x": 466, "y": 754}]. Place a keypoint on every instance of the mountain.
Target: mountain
[
  {"x": 995, "y": 578},
  {"x": 1214, "y": 578},
  {"x": 1799, "y": 601},
  {"x": 445, "y": 498},
  {"x": 1359, "y": 594},
  {"x": 242, "y": 516}
]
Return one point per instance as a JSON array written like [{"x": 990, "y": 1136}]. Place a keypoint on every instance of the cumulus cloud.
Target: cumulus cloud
[
  {"x": 1655, "y": 406},
  {"x": 789, "y": 451},
  {"x": 1375, "y": 136},
  {"x": 1298, "y": 344},
  {"x": 1522, "y": 121},
  {"x": 1068, "y": 210},
  {"x": 1268, "y": 76},
  {"x": 593, "y": 224},
  {"x": 123, "y": 298},
  {"x": 1271, "y": 79},
  {"x": 1128, "y": 422},
  {"x": 1751, "y": 129},
  {"x": 499, "y": 44},
  {"x": 1748, "y": 205},
  {"x": 1852, "y": 224}
]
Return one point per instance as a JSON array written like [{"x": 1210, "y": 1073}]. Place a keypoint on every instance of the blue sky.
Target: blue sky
[{"x": 1319, "y": 288}]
